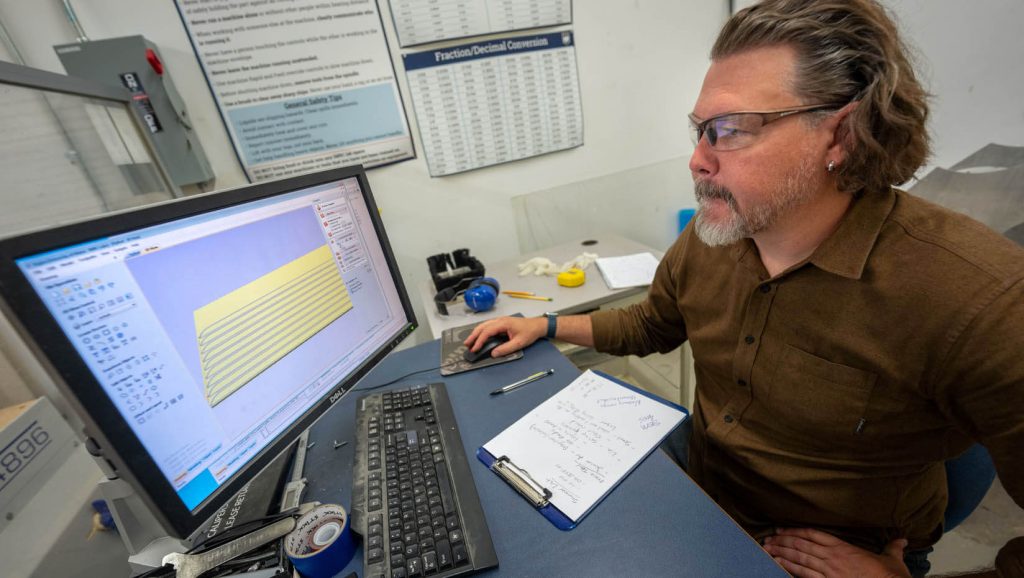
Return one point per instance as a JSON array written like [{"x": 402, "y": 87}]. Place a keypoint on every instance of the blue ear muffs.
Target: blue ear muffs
[{"x": 482, "y": 293}]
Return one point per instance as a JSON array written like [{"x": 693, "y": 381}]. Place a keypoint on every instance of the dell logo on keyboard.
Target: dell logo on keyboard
[{"x": 337, "y": 395}]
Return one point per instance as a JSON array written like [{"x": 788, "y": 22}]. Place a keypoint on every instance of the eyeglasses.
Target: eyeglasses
[{"x": 735, "y": 130}]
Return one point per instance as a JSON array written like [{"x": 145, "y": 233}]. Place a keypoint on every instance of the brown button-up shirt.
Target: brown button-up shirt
[{"x": 830, "y": 395}]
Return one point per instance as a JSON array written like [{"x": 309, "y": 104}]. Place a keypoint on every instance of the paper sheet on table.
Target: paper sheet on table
[{"x": 628, "y": 270}]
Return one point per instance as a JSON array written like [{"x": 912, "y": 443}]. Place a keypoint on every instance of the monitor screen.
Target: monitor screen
[{"x": 201, "y": 336}]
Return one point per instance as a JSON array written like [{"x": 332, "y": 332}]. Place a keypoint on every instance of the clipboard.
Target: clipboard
[{"x": 535, "y": 491}]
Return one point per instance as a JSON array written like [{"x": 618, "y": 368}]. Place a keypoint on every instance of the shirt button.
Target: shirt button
[
  {"x": 728, "y": 418},
  {"x": 766, "y": 288},
  {"x": 749, "y": 339},
  {"x": 742, "y": 383}
]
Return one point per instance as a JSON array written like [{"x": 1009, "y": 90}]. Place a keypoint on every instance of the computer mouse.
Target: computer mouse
[{"x": 485, "y": 349}]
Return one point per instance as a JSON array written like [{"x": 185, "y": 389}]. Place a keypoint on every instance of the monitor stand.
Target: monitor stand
[{"x": 148, "y": 543}]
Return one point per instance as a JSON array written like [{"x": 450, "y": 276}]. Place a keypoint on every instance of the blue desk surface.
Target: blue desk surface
[{"x": 657, "y": 522}]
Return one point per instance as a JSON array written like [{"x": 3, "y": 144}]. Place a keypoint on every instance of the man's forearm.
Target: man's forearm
[{"x": 575, "y": 329}]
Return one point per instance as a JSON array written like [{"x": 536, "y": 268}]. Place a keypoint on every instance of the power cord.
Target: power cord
[{"x": 410, "y": 374}]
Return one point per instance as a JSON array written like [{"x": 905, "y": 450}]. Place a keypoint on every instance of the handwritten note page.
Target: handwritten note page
[
  {"x": 579, "y": 443},
  {"x": 628, "y": 270}
]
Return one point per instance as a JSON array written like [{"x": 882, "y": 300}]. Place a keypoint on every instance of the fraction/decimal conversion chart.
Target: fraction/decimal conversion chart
[
  {"x": 423, "y": 21},
  {"x": 497, "y": 101}
]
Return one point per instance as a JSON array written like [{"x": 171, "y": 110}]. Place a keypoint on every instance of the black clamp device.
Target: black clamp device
[{"x": 453, "y": 273}]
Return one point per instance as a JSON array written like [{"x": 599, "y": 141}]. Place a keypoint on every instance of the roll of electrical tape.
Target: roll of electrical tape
[{"x": 321, "y": 543}]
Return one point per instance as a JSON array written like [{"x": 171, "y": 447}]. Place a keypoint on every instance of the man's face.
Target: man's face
[{"x": 750, "y": 190}]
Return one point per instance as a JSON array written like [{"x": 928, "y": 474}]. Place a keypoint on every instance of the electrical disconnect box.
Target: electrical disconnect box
[{"x": 134, "y": 63}]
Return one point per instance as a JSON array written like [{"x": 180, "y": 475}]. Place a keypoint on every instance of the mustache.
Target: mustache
[{"x": 706, "y": 190}]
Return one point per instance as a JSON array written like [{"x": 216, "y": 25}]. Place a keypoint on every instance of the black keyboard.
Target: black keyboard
[{"x": 413, "y": 496}]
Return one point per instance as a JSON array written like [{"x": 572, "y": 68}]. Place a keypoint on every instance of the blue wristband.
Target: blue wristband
[{"x": 552, "y": 326}]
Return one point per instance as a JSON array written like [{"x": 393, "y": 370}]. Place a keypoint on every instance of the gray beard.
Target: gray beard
[{"x": 796, "y": 190}]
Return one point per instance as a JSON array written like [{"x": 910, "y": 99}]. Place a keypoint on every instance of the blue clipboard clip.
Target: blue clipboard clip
[
  {"x": 523, "y": 483},
  {"x": 520, "y": 480}
]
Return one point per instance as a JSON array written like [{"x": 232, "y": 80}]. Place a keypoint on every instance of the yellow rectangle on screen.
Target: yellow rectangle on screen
[{"x": 243, "y": 333}]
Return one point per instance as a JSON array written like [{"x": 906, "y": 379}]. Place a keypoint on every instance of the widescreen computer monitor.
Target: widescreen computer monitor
[{"x": 199, "y": 337}]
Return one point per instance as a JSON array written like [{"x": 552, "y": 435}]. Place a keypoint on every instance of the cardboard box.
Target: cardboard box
[{"x": 34, "y": 442}]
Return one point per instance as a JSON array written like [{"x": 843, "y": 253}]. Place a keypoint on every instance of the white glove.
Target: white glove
[
  {"x": 581, "y": 261},
  {"x": 537, "y": 266}
]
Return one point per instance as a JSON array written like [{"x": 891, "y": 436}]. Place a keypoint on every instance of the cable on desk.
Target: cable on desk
[{"x": 410, "y": 374}]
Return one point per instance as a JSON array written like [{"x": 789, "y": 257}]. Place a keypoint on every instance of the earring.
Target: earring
[{"x": 831, "y": 168}]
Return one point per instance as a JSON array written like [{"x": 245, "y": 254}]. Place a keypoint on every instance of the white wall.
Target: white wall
[{"x": 971, "y": 57}]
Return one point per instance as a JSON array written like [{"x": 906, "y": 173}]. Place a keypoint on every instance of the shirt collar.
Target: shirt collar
[{"x": 846, "y": 251}]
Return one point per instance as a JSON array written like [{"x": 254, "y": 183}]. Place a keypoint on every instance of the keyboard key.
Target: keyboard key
[
  {"x": 459, "y": 554},
  {"x": 444, "y": 553},
  {"x": 445, "y": 489},
  {"x": 430, "y": 562},
  {"x": 375, "y": 555}
]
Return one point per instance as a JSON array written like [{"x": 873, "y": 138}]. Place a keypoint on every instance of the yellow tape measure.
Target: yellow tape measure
[{"x": 572, "y": 278}]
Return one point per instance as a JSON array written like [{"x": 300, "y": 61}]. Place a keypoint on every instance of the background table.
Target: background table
[
  {"x": 657, "y": 522},
  {"x": 591, "y": 295}
]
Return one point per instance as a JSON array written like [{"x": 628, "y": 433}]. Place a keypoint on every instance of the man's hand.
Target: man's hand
[
  {"x": 808, "y": 553},
  {"x": 521, "y": 333}
]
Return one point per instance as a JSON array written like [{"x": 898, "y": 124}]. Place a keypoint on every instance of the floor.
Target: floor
[
  {"x": 84, "y": 554},
  {"x": 972, "y": 545}
]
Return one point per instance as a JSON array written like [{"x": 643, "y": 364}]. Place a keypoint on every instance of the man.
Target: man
[{"x": 848, "y": 338}]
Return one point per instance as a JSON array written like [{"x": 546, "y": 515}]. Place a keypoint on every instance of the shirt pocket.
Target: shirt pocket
[{"x": 822, "y": 401}]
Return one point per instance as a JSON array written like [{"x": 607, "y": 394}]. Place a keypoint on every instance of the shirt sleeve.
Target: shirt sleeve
[
  {"x": 980, "y": 386},
  {"x": 654, "y": 325}
]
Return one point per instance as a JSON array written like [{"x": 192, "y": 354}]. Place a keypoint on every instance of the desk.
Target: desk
[
  {"x": 657, "y": 522},
  {"x": 590, "y": 295}
]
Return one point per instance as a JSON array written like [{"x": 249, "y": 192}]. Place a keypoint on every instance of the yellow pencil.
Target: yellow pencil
[
  {"x": 534, "y": 297},
  {"x": 531, "y": 293}
]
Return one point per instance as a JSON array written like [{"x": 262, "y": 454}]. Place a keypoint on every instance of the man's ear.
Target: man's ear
[{"x": 842, "y": 139}]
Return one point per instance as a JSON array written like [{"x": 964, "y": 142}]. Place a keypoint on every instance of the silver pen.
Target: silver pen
[{"x": 524, "y": 381}]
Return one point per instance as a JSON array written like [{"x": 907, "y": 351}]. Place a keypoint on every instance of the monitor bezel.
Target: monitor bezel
[{"x": 112, "y": 436}]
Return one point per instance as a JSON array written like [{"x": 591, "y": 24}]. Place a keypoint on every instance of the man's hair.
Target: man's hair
[{"x": 848, "y": 50}]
